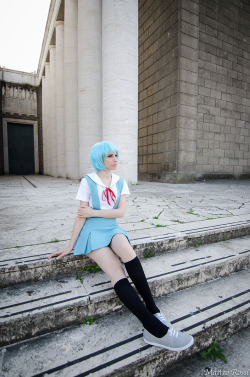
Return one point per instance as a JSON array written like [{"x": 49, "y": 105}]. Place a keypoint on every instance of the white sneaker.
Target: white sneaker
[
  {"x": 173, "y": 340},
  {"x": 163, "y": 319}
]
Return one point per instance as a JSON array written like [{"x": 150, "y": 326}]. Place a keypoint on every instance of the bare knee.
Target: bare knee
[
  {"x": 109, "y": 263},
  {"x": 122, "y": 248}
]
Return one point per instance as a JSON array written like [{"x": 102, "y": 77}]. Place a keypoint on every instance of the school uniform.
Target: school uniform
[{"x": 97, "y": 232}]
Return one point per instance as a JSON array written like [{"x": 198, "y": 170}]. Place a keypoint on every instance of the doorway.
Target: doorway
[{"x": 21, "y": 148}]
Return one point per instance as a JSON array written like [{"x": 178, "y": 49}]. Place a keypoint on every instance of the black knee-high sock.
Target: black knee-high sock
[
  {"x": 137, "y": 275},
  {"x": 131, "y": 300}
]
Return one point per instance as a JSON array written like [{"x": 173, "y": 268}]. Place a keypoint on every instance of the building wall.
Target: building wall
[
  {"x": 89, "y": 72},
  {"x": 194, "y": 81},
  {"x": 158, "y": 87},
  {"x": 223, "y": 136},
  {"x": 194, "y": 89},
  {"x": 1, "y": 132},
  {"x": 19, "y": 98}
]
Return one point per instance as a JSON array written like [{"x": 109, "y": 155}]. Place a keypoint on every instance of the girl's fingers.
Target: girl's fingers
[
  {"x": 60, "y": 253},
  {"x": 63, "y": 254},
  {"x": 55, "y": 254}
]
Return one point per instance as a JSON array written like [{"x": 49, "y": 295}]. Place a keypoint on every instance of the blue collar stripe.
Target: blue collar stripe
[{"x": 94, "y": 192}]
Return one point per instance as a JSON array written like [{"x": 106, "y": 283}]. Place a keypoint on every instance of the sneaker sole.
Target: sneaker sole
[{"x": 170, "y": 348}]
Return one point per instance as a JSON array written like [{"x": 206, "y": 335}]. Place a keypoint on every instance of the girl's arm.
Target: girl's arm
[
  {"x": 85, "y": 212},
  {"x": 78, "y": 224}
]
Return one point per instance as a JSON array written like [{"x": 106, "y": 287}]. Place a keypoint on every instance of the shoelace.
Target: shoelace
[
  {"x": 161, "y": 317},
  {"x": 173, "y": 333},
  {"x": 108, "y": 194}
]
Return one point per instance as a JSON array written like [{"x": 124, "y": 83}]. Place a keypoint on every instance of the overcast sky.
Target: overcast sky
[{"x": 22, "y": 26}]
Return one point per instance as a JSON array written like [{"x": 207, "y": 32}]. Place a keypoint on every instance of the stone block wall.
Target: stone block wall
[
  {"x": 158, "y": 87},
  {"x": 223, "y": 135},
  {"x": 187, "y": 89},
  {"x": 194, "y": 101}
]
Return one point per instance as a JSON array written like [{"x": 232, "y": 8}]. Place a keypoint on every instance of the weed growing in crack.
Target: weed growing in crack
[
  {"x": 149, "y": 253},
  {"x": 95, "y": 268},
  {"x": 213, "y": 352},
  {"x": 89, "y": 321},
  {"x": 178, "y": 221},
  {"x": 79, "y": 276},
  {"x": 191, "y": 212},
  {"x": 159, "y": 214}
]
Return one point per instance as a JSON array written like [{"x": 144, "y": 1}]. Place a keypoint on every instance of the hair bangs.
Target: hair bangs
[{"x": 99, "y": 151}]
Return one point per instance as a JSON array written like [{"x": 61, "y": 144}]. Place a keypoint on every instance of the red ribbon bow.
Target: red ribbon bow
[{"x": 108, "y": 194}]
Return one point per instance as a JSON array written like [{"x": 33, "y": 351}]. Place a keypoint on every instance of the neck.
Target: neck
[
  {"x": 104, "y": 173},
  {"x": 105, "y": 176}
]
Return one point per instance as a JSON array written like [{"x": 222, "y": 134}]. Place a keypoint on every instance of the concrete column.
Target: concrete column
[
  {"x": 46, "y": 121},
  {"x": 52, "y": 126},
  {"x": 89, "y": 79},
  {"x": 44, "y": 124},
  {"x": 60, "y": 127},
  {"x": 71, "y": 89},
  {"x": 120, "y": 81}
]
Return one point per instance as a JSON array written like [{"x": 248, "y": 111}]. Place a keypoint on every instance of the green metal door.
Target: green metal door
[{"x": 21, "y": 148}]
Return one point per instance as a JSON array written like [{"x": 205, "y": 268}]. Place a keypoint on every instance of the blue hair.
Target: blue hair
[{"x": 99, "y": 151}]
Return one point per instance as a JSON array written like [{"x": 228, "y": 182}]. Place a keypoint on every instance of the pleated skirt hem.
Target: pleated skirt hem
[{"x": 96, "y": 233}]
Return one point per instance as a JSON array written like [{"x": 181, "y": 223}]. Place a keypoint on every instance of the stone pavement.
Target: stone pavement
[{"x": 38, "y": 209}]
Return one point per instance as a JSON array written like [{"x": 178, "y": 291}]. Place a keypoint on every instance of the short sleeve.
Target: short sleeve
[
  {"x": 125, "y": 189},
  {"x": 83, "y": 192}
]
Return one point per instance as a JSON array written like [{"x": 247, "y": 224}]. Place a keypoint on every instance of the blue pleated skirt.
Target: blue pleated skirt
[{"x": 97, "y": 232}]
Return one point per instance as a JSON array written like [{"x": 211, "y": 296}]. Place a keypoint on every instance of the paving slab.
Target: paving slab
[
  {"x": 113, "y": 346},
  {"x": 40, "y": 209}
]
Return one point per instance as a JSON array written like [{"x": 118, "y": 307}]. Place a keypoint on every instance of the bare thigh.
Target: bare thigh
[
  {"x": 122, "y": 247},
  {"x": 109, "y": 263}
]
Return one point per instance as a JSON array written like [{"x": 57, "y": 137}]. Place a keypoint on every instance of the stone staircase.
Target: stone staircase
[{"x": 199, "y": 276}]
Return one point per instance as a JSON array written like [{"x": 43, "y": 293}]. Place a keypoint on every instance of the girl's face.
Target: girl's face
[{"x": 110, "y": 162}]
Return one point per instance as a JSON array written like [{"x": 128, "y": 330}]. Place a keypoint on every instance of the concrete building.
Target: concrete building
[
  {"x": 89, "y": 73},
  {"x": 20, "y": 123},
  {"x": 166, "y": 80}
]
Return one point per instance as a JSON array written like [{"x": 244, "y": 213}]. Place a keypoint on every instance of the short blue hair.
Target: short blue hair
[{"x": 99, "y": 151}]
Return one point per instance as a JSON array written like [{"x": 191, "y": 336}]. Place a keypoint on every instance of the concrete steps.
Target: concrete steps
[
  {"x": 32, "y": 309},
  {"x": 198, "y": 274},
  {"x": 29, "y": 263},
  {"x": 113, "y": 345}
]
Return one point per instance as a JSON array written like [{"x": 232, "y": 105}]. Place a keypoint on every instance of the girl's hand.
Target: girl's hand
[
  {"x": 85, "y": 212},
  {"x": 61, "y": 253}
]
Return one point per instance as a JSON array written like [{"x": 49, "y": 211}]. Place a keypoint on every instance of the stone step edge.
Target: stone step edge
[
  {"x": 106, "y": 302},
  {"x": 229, "y": 321},
  {"x": 158, "y": 362},
  {"x": 45, "y": 269}
]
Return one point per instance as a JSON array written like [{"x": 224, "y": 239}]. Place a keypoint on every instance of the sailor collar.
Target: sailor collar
[{"x": 97, "y": 179}]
